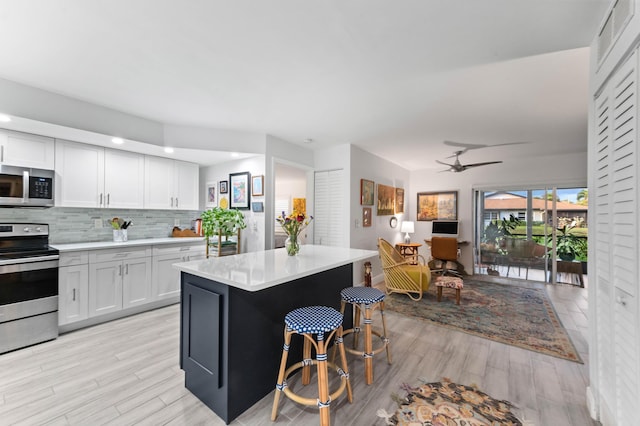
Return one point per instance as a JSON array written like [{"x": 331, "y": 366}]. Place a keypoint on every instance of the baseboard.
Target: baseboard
[{"x": 119, "y": 314}]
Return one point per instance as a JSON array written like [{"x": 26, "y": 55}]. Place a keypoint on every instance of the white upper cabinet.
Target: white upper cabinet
[
  {"x": 80, "y": 175},
  {"x": 26, "y": 150},
  {"x": 186, "y": 185},
  {"x": 92, "y": 176},
  {"x": 170, "y": 184},
  {"x": 158, "y": 183},
  {"x": 123, "y": 179}
]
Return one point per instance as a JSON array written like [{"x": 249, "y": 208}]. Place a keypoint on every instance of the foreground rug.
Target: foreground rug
[
  {"x": 511, "y": 314},
  {"x": 445, "y": 403}
]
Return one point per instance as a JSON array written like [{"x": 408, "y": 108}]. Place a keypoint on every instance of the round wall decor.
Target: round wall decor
[{"x": 393, "y": 222}]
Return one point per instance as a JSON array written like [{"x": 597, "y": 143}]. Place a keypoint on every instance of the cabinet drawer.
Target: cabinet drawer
[
  {"x": 74, "y": 258},
  {"x": 124, "y": 253},
  {"x": 192, "y": 248}
]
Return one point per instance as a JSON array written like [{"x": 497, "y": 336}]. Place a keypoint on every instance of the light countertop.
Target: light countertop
[
  {"x": 264, "y": 269},
  {"x": 131, "y": 243}
]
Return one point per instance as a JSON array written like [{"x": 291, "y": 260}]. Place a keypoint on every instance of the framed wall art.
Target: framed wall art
[
  {"x": 386, "y": 200},
  {"x": 366, "y": 217},
  {"x": 223, "y": 202},
  {"x": 224, "y": 188},
  {"x": 437, "y": 205},
  {"x": 211, "y": 199},
  {"x": 399, "y": 200},
  {"x": 239, "y": 196},
  {"x": 257, "y": 185},
  {"x": 257, "y": 206},
  {"x": 367, "y": 188},
  {"x": 300, "y": 206}
]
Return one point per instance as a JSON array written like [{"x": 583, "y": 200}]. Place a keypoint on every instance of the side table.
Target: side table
[{"x": 409, "y": 251}]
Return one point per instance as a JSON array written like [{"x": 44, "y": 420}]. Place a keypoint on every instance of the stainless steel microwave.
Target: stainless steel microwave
[{"x": 26, "y": 187}]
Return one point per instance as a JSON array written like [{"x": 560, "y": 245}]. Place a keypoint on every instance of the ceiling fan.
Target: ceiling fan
[{"x": 458, "y": 167}]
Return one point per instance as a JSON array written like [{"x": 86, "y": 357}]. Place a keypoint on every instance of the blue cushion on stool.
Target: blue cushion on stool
[
  {"x": 366, "y": 295},
  {"x": 313, "y": 319}
]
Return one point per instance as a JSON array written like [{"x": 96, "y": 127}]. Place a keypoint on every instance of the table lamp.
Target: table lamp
[{"x": 407, "y": 228}]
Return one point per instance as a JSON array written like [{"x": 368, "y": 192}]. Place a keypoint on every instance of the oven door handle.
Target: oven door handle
[{"x": 28, "y": 264}]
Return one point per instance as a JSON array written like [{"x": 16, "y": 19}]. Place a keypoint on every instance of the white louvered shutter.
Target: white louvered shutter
[
  {"x": 328, "y": 208},
  {"x": 616, "y": 192}
]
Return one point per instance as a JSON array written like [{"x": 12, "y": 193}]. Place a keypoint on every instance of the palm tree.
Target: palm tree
[{"x": 583, "y": 197}]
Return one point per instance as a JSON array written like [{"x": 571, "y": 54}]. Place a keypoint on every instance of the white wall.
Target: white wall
[
  {"x": 29, "y": 102},
  {"x": 253, "y": 237},
  {"x": 569, "y": 169},
  {"x": 214, "y": 139},
  {"x": 365, "y": 165}
]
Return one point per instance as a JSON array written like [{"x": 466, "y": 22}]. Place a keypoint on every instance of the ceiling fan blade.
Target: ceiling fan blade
[
  {"x": 444, "y": 164},
  {"x": 466, "y": 146},
  {"x": 469, "y": 146},
  {"x": 466, "y": 166}
]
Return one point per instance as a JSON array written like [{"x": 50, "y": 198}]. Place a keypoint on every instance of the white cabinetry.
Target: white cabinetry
[
  {"x": 170, "y": 184},
  {"x": 26, "y": 150},
  {"x": 166, "y": 279},
  {"x": 92, "y": 176},
  {"x": 73, "y": 279},
  {"x": 118, "y": 279}
]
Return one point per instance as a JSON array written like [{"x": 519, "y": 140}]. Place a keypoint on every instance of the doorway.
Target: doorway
[
  {"x": 290, "y": 188},
  {"x": 536, "y": 234}
]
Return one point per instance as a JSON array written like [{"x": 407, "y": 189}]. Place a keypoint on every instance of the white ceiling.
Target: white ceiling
[{"x": 395, "y": 78}]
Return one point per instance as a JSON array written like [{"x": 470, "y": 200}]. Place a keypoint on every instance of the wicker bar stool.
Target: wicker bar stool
[
  {"x": 365, "y": 300},
  {"x": 323, "y": 322}
]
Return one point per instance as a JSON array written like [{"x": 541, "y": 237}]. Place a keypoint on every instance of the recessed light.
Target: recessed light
[
  {"x": 235, "y": 154},
  {"x": 117, "y": 141},
  {"x": 168, "y": 150},
  {"x": 309, "y": 140},
  {"x": 4, "y": 118}
]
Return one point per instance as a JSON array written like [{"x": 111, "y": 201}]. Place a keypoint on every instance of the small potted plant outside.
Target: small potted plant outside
[
  {"x": 222, "y": 223},
  {"x": 568, "y": 245}
]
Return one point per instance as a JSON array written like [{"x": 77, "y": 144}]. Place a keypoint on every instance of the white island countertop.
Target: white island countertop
[
  {"x": 264, "y": 269},
  {"x": 96, "y": 245}
]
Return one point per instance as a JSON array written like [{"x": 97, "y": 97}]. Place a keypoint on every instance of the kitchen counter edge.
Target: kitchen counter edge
[{"x": 96, "y": 245}]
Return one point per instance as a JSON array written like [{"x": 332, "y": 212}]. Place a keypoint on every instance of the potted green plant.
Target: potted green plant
[
  {"x": 496, "y": 231},
  {"x": 222, "y": 223},
  {"x": 568, "y": 245}
]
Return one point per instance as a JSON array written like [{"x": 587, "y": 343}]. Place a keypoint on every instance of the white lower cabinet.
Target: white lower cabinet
[
  {"x": 73, "y": 279},
  {"x": 118, "y": 279},
  {"x": 103, "y": 281},
  {"x": 166, "y": 279}
]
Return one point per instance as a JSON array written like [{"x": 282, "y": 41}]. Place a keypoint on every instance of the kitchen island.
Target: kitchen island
[{"x": 232, "y": 317}]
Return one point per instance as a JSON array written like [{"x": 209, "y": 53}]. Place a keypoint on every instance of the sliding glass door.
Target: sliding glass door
[{"x": 538, "y": 234}]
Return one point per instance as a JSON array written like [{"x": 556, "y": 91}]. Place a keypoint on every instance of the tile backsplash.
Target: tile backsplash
[{"x": 74, "y": 225}]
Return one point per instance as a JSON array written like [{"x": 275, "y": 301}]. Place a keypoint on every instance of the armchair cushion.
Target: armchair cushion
[{"x": 414, "y": 272}]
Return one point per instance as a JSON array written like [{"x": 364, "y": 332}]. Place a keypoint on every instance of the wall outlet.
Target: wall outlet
[
  {"x": 97, "y": 223},
  {"x": 176, "y": 222}
]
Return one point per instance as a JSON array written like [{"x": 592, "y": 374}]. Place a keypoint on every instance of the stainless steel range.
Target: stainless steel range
[{"x": 28, "y": 286}]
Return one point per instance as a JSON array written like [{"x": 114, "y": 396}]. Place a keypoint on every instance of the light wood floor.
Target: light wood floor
[{"x": 126, "y": 372}]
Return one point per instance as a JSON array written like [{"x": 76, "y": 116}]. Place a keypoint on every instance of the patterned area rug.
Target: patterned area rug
[
  {"x": 511, "y": 314},
  {"x": 445, "y": 403}
]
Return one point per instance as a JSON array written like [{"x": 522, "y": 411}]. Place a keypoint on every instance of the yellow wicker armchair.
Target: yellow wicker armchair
[{"x": 399, "y": 275}]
